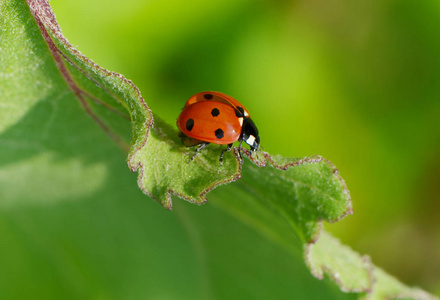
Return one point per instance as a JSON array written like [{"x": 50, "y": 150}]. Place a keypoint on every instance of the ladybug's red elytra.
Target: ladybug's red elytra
[{"x": 213, "y": 117}]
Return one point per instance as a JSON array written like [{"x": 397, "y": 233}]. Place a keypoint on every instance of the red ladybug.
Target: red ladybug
[{"x": 213, "y": 117}]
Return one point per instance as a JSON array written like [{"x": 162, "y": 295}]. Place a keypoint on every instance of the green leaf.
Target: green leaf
[{"x": 72, "y": 219}]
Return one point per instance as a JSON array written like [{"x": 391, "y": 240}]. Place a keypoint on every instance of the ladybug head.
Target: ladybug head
[{"x": 250, "y": 134}]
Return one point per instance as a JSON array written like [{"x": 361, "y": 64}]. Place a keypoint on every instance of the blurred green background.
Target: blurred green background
[{"x": 357, "y": 82}]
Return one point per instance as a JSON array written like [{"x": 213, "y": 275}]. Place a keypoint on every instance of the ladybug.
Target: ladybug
[{"x": 213, "y": 117}]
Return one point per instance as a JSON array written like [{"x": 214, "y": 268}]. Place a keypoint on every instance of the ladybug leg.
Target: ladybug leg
[
  {"x": 223, "y": 151},
  {"x": 239, "y": 149},
  {"x": 198, "y": 149}
]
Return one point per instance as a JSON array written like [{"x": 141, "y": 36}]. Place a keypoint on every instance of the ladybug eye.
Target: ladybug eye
[{"x": 207, "y": 96}]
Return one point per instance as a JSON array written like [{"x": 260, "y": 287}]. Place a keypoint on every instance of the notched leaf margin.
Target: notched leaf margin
[
  {"x": 46, "y": 21},
  {"x": 263, "y": 158}
]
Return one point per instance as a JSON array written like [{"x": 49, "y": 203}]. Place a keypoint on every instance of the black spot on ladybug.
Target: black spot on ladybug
[
  {"x": 219, "y": 133},
  {"x": 239, "y": 112},
  {"x": 215, "y": 112},
  {"x": 207, "y": 96},
  {"x": 189, "y": 124}
]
